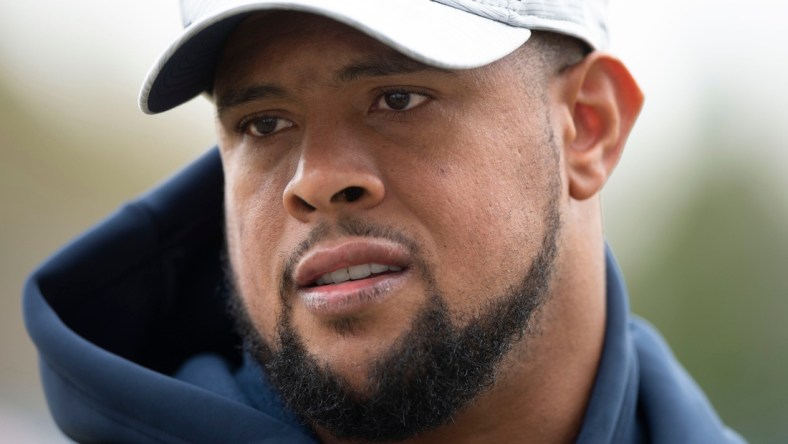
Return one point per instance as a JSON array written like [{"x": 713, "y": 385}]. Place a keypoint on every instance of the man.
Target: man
[{"x": 403, "y": 217}]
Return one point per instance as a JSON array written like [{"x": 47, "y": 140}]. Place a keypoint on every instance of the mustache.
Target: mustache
[{"x": 352, "y": 226}]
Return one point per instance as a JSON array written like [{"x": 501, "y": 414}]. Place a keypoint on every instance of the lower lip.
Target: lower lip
[{"x": 351, "y": 297}]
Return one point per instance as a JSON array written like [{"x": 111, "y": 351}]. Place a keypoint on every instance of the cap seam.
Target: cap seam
[{"x": 516, "y": 11}]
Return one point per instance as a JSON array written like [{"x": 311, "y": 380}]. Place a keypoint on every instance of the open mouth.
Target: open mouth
[{"x": 354, "y": 273}]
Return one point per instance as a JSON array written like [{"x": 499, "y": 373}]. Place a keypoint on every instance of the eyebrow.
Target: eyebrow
[
  {"x": 378, "y": 65},
  {"x": 237, "y": 97}
]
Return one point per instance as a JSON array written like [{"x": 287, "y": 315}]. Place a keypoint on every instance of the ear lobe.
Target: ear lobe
[{"x": 604, "y": 102}]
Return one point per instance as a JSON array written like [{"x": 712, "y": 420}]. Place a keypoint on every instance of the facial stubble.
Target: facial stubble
[{"x": 428, "y": 374}]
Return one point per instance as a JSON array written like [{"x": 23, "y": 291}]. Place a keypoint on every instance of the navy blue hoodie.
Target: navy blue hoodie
[{"x": 136, "y": 345}]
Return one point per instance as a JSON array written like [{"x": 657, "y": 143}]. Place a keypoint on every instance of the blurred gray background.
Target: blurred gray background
[{"x": 695, "y": 212}]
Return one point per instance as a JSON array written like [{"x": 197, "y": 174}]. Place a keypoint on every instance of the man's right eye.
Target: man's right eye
[{"x": 262, "y": 126}]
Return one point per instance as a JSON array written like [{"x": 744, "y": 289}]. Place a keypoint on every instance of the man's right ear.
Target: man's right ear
[{"x": 602, "y": 102}]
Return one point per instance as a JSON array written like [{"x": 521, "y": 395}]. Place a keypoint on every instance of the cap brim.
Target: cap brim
[{"x": 426, "y": 31}]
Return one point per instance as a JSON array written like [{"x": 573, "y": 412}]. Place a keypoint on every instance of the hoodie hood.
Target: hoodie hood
[{"x": 118, "y": 313}]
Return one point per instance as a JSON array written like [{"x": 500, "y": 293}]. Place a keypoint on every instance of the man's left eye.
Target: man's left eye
[{"x": 399, "y": 101}]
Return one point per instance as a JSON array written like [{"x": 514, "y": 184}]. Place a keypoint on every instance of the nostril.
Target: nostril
[
  {"x": 349, "y": 194},
  {"x": 353, "y": 193},
  {"x": 304, "y": 204}
]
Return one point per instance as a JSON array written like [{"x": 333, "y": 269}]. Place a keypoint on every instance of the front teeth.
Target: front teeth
[{"x": 354, "y": 272}]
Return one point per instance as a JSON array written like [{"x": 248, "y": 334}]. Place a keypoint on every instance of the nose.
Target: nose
[{"x": 333, "y": 175}]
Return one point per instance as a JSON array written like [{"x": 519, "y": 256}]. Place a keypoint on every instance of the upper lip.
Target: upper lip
[{"x": 326, "y": 258}]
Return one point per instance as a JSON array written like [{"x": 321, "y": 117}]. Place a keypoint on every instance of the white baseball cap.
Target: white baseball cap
[{"x": 451, "y": 34}]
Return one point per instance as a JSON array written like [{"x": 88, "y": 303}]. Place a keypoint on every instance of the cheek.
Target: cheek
[
  {"x": 492, "y": 224},
  {"x": 483, "y": 204},
  {"x": 253, "y": 213}
]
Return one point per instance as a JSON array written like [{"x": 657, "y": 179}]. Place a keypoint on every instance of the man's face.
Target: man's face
[{"x": 361, "y": 184}]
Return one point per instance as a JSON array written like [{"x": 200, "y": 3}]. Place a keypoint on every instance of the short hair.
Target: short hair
[{"x": 556, "y": 52}]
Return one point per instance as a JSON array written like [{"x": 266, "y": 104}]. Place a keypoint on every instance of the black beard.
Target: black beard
[{"x": 426, "y": 377}]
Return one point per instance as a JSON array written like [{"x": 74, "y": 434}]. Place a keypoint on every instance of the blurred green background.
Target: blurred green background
[{"x": 695, "y": 212}]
